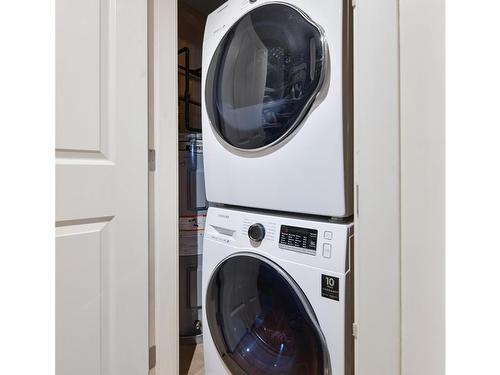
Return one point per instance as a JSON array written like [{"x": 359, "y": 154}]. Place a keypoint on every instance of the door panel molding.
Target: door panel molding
[
  {"x": 78, "y": 61},
  {"x": 102, "y": 187},
  {"x": 82, "y": 271}
]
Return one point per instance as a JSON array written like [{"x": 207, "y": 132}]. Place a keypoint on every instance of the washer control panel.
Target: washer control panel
[
  {"x": 315, "y": 243},
  {"x": 302, "y": 240}
]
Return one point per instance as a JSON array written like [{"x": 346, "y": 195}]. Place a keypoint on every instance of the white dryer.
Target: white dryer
[
  {"x": 277, "y": 106},
  {"x": 277, "y": 295}
]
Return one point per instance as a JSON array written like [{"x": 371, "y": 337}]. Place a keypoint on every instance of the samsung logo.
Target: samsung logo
[
  {"x": 223, "y": 216},
  {"x": 224, "y": 6},
  {"x": 219, "y": 29}
]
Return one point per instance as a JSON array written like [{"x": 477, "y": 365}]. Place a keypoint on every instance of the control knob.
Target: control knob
[{"x": 256, "y": 232}]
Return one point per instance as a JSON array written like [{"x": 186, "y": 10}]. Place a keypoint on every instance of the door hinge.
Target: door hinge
[
  {"x": 353, "y": 3},
  {"x": 152, "y": 357},
  {"x": 152, "y": 160},
  {"x": 355, "y": 330}
]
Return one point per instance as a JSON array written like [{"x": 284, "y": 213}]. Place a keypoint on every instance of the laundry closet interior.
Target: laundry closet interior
[
  {"x": 265, "y": 273},
  {"x": 193, "y": 204}
]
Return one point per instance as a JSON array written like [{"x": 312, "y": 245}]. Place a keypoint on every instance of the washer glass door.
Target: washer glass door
[
  {"x": 261, "y": 322},
  {"x": 264, "y": 76}
]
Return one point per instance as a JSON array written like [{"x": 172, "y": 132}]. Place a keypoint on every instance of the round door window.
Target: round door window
[
  {"x": 264, "y": 76},
  {"x": 261, "y": 322}
]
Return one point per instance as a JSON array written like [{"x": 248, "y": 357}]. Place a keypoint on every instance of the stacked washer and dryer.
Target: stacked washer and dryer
[{"x": 277, "y": 251}]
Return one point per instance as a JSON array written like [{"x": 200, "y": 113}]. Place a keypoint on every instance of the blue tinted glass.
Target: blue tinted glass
[
  {"x": 259, "y": 323},
  {"x": 263, "y": 76}
]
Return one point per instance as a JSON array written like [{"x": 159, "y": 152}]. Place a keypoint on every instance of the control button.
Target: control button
[
  {"x": 256, "y": 232},
  {"x": 327, "y": 250},
  {"x": 328, "y": 235}
]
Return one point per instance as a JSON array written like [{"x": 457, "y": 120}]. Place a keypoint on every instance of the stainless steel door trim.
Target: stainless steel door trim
[
  {"x": 305, "y": 110},
  {"x": 290, "y": 281}
]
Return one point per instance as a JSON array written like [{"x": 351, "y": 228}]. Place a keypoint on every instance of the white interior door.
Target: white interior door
[{"x": 101, "y": 187}]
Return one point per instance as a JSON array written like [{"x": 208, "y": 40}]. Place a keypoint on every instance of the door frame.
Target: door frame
[{"x": 163, "y": 129}]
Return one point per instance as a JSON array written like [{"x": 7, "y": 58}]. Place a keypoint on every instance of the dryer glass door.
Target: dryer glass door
[
  {"x": 264, "y": 76},
  {"x": 261, "y": 322}
]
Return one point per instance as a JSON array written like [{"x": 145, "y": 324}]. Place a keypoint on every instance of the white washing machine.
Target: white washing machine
[
  {"x": 277, "y": 106},
  {"x": 277, "y": 295}
]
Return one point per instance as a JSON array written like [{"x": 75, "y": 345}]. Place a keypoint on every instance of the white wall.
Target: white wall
[
  {"x": 377, "y": 172},
  {"x": 422, "y": 186},
  {"x": 399, "y": 126}
]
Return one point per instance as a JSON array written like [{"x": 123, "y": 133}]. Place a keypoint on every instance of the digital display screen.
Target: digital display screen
[{"x": 302, "y": 240}]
